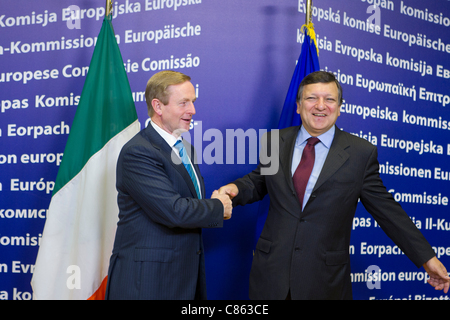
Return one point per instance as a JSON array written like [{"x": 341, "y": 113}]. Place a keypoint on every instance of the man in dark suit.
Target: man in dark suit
[
  {"x": 303, "y": 250},
  {"x": 158, "y": 251}
]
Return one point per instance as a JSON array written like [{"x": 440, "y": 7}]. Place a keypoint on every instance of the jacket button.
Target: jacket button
[{"x": 199, "y": 252}]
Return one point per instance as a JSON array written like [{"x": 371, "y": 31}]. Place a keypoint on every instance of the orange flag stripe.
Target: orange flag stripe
[{"x": 100, "y": 293}]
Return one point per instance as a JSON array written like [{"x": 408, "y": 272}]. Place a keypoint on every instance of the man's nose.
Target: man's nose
[
  {"x": 192, "y": 109},
  {"x": 320, "y": 104}
]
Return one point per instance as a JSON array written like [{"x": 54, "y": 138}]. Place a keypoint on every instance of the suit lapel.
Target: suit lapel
[
  {"x": 159, "y": 143},
  {"x": 337, "y": 156},
  {"x": 287, "y": 144}
]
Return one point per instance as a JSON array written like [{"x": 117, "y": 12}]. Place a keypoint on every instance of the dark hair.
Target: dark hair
[{"x": 320, "y": 77}]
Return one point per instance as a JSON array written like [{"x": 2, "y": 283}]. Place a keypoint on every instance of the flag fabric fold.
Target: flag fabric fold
[
  {"x": 77, "y": 241},
  {"x": 308, "y": 62}
]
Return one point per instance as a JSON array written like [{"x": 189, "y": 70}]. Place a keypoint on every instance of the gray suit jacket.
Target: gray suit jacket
[
  {"x": 307, "y": 252},
  {"x": 158, "y": 249}
]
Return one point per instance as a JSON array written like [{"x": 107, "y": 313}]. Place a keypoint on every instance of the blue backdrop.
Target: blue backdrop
[{"x": 241, "y": 56}]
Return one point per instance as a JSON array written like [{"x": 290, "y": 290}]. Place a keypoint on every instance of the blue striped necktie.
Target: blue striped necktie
[{"x": 187, "y": 164}]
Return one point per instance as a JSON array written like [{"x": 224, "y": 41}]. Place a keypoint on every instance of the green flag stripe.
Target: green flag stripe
[{"x": 106, "y": 107}]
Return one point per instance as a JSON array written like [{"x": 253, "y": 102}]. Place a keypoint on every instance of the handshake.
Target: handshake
[{"x": 225, "y": 195}]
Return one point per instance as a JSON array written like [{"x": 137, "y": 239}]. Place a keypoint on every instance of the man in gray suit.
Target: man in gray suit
[
  {"x": 303, "y": 250},
  {"x": 158, "y": 250}
]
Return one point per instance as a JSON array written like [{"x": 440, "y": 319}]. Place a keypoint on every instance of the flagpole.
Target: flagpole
[
  {"x": 109, "y": 7},
  {"x": 308, "y": 12}
]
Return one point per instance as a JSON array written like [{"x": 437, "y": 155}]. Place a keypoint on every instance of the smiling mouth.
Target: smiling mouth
[{"x": 319, "y": 115}]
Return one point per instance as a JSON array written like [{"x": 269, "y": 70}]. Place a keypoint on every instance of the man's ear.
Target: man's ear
[{"x": 156, "y": 104}]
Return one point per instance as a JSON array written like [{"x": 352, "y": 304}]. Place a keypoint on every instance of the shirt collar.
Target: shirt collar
[
  {"x": 326, "y": 138},
  {"x": 170, "y": 139}
]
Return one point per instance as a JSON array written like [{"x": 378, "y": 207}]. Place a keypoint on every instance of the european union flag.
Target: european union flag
[{"x": 308, "y": 62}]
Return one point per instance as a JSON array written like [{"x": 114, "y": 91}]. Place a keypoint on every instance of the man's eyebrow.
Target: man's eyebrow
[{"x": 187, "y": 99}]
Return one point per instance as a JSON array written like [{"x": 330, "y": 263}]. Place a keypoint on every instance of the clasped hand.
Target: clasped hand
[{"x": 225, "y": 194}]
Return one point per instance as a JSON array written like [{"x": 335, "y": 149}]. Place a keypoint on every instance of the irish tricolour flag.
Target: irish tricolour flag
[{"x": 78, "y": 237}]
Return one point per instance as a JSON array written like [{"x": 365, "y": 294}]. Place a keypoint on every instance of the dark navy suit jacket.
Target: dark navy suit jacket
[
  {"x": 307, "y": 252},
  {"x": 158, "y": 250}
]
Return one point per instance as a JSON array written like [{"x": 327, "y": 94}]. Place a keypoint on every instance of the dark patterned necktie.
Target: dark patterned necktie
[{"x": 304, "y": 169}]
